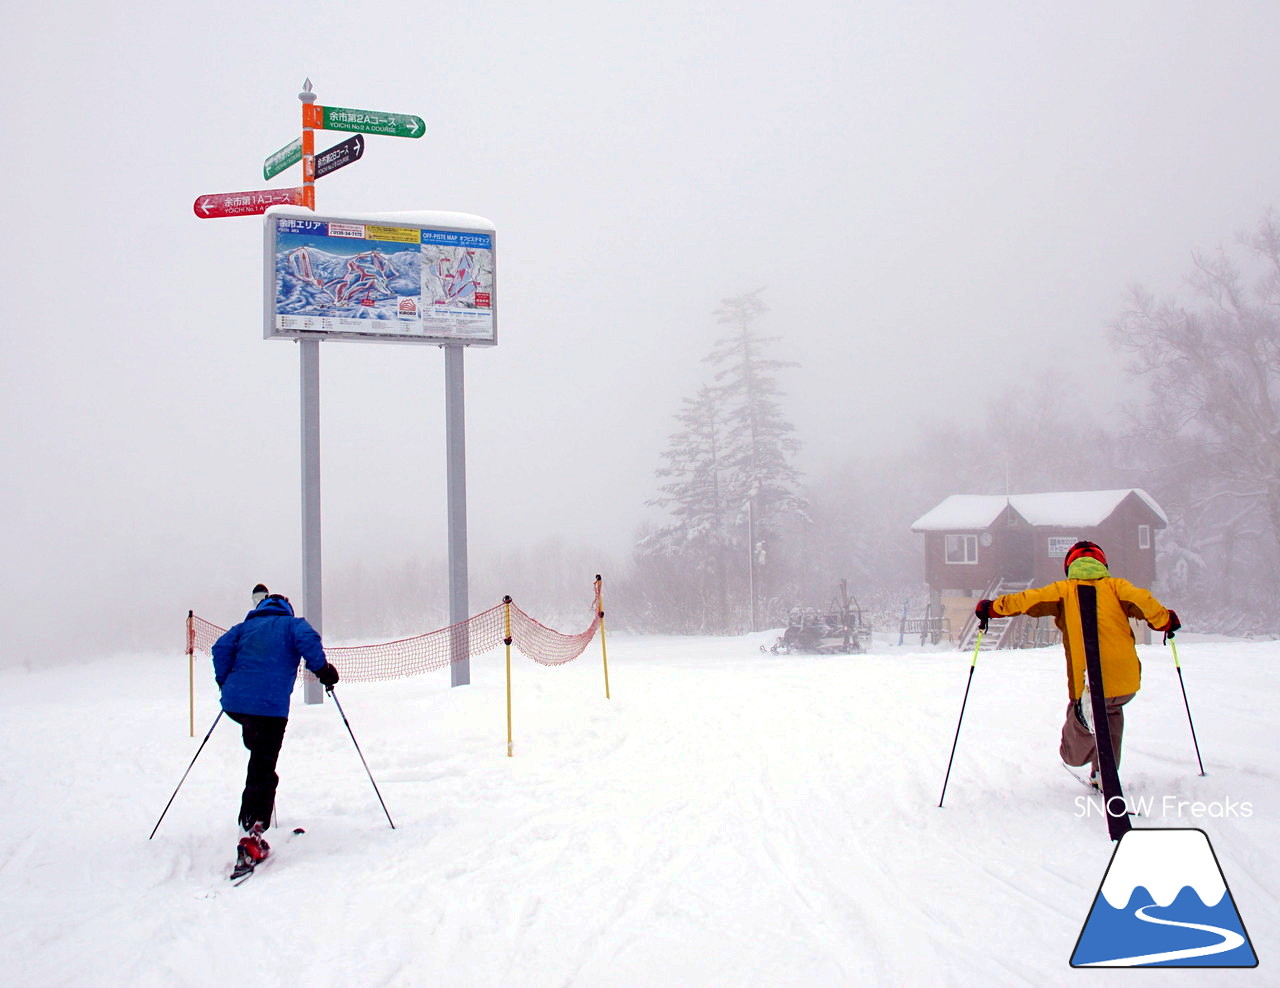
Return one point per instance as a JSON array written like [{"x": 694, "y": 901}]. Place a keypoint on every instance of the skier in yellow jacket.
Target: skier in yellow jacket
[{"x": 1118, "y": 600}]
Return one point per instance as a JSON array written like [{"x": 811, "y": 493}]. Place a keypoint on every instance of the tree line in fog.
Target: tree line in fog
[{"x": 746, "y": 538}]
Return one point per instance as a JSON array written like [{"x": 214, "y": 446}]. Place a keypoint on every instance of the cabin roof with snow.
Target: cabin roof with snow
[
  {"x": 977, "y": 543},
  {"x": 976, "y": 512}
]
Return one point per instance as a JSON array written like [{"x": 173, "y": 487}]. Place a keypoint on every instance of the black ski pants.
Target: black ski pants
[{"x": 263, "y": 737}]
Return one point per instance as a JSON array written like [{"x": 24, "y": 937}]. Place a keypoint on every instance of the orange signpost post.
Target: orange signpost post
[{"x": 308, "y": 147}]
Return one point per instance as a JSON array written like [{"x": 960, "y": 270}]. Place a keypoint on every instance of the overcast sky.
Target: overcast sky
[{"x": 930, "y": 195}]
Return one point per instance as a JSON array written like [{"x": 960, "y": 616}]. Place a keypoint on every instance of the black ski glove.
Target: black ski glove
[
  {"x": 328, "y": 676},
  {"x": 1173, "y": 625},
  {"x": 984, "y": 613}
]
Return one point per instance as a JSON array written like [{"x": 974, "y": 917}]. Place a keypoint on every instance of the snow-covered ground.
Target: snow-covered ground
[{"x": 728, "y": 818}]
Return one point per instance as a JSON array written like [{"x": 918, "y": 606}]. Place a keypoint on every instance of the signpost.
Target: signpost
[
  {"x": 352, "y": 149},
  {"x": 288, "y": 155},
  {"x": 339, "y": 156},
  {"x": 362, "y": 121},
  {"x": 219, "y": 204}
]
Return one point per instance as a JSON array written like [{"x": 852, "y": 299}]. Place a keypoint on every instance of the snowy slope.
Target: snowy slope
[{"x": 728, "y": 818}]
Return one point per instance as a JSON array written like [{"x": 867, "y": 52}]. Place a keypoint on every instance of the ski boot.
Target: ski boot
[{"x": 250, "y": 852}]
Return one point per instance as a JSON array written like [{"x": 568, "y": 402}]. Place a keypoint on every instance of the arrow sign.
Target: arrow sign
[
  {"x": 244, "y": 203},
  {"x": 362, "y": 121},
  {"x": 340, "y": 155},
  {"x": 288, "y": 155}
]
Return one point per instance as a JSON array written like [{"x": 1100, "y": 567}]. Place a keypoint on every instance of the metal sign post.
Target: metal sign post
[
  {"x": 312, "y": 581},
  {"x": 325, "y": 276},
  {"x": 456, "y": 480},
  {"x": 309, "y": 391}
]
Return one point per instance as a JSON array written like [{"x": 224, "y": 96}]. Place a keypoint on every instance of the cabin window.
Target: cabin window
[
  {"x": 962, "y": 548},
  {"x": 1144, "y": 536}
]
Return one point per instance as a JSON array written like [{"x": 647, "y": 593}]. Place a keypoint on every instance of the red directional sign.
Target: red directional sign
[{"x": 244, "y": 203}]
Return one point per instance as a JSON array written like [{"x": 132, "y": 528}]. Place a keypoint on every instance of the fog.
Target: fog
[{"x": 931, "y": 196}]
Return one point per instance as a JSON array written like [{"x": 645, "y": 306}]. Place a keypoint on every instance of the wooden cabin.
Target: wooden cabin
[{"x": 983, "y": 545}]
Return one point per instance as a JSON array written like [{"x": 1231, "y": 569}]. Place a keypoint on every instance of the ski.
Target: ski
[
  {"x": 242, "y": 872},
  {"x": 1118, "y": 823},
  {"x": 1080, "y": 778},
  {"x": 1094, "y": 789}
]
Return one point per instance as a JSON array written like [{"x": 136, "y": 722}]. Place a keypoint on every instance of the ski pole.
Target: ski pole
[
  {"x": 972, "y": 665},
  {"x": 1178, "y": 665},
  {"x": 185, "y": 774},
  {"x": 360, "y": 753}
]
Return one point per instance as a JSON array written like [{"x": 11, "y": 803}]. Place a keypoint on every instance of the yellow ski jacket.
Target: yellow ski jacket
[{"x": 1118, "y": 600}]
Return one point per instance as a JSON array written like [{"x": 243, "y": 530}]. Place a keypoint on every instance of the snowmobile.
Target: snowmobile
[{"x": 840, "y": 630}]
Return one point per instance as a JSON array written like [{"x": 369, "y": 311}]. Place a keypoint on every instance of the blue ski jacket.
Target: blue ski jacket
[{"x": 256, "y": 662}]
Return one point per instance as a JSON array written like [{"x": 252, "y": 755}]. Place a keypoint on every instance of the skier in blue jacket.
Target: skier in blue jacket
[{"x": 255, "y": 665}]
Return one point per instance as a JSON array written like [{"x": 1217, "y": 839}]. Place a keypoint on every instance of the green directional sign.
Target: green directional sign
[
  {"x": 288, "y": 155},
  {"x": 367, "y": 121}
]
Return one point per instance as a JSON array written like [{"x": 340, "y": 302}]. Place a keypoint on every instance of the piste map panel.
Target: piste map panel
[{"x": 362, "y": 280}]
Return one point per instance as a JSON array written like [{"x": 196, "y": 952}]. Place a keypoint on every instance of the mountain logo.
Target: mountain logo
[{"x": 1164, "y": 902}]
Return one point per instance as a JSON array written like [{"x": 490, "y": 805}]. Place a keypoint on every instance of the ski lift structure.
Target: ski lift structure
[{"x": 839, "y": 630}]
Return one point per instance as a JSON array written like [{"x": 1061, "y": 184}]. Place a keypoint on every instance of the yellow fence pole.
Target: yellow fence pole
[
  {"x": 506, "y": 601},
  {"x": 191, "y": 671},
  {"x": 604, "y": 651}
]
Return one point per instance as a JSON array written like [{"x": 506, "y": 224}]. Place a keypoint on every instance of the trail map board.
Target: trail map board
[{"x": 411, "y": 277}]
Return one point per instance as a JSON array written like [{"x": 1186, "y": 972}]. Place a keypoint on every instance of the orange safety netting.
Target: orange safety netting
[
  {"x": 545, "y": 646},
  {"x": 434, "y": 650}
]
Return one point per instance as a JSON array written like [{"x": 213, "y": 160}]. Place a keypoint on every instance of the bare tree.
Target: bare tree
[{"x": 1214, "y": 369}]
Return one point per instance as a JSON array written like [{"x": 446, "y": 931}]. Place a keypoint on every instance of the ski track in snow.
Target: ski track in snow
[{"x": 729, "y": 818}]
